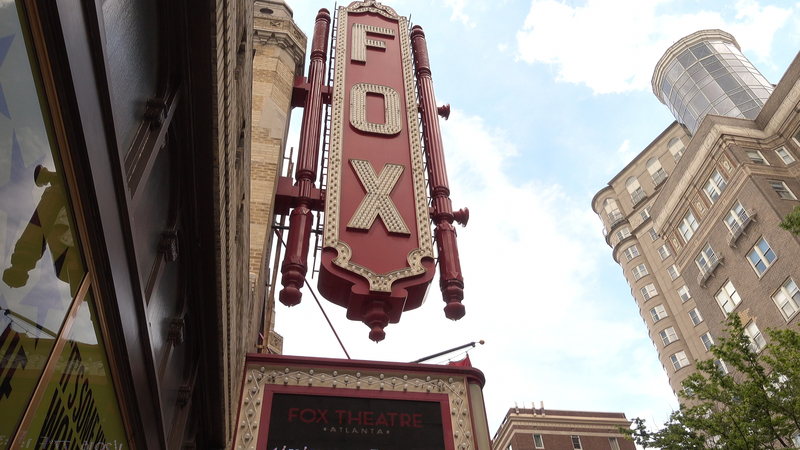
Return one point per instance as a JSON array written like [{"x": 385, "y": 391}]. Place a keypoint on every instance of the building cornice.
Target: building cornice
[{"x": 284, "y": 33}]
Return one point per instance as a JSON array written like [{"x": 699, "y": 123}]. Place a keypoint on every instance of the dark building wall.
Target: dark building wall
[{"x": 149, "y": 103}]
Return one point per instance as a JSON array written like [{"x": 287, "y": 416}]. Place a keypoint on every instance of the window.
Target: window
[
  {"x": 653, "y": 235},
  {"x": 658, "y": 313},
  {"x": 623, "y": 234},
  {"x": 668, "y": 336},
  {"x": 708, "y": 341},
  {"x": 679, "y": 360},
  {"x": 631, "y": 252},
  {"x": 787, "y": 298},
  {"x": 676, "y": 147},
  {"x": 736, "y": 217},
  {"x": 757, "y": 341},
  {"x": 614, "y": 217},
  {"x": 786, "y": 157},
  {"x": 756, "y": 157},
  {"x": 612, "y": 441},
  {"x": 639, "y": 271},
  {"x": 695, "y": 316},
  {"x": 645, "y": 213},
  {"x": 656, "y": 171},
  {"x": 576, "y": 442},
  {"x": 637, "y": 194},
  {"x": 727, "y": 297},
  {"x": 537, "y": 441},
  {"x": 706, "y": 260},
  {"x": 782, "y": 190},
  {"x": 721, "y": 366},
  {"x": 714, "y": 186},
  {"x": 688, "y": 226},
  {"x": 663, "y": 252},
  {"x": 649, "y": 291},
  {"x": 761, "y": 256},
  {"x": 683, "y": 291},
  {"x": 673, "y": 272},
  {"x": 612, "y": 212}
]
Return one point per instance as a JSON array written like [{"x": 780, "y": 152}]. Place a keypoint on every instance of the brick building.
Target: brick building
[
  {"x": 692, "y": 220},
  {"x": 537, "y": 428}
]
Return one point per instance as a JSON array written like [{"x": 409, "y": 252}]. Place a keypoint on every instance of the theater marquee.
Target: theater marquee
[{"x": 293, "y": 403}]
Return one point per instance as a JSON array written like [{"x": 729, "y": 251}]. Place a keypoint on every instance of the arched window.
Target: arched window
[
  {"x": 676, "y": 147},
  {"x": 656, "y": 171},
  {"x": 612, "y": 212},
  {"x": 636, "y": 191}
]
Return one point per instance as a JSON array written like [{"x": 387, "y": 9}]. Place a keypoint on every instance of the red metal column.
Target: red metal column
[
  {"x": 451, "y": 281},
  {"x": 295, "y": 264}
]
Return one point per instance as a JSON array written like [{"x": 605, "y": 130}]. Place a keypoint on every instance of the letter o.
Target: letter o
[
  {"x": 358, "y": 109},
  {"x": 303, "y": 415}
]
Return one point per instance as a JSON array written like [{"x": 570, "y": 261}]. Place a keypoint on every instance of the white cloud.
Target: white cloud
[
  {"x": 613, "y": 45},
  {"x": 625, "y": 152},
  {"x": 458, "y": 12}
]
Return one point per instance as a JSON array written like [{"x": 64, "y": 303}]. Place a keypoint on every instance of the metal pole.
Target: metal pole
[
  {"x": 295, "y": 264},
  {"x": 451, "y": 282},
  {"x": 447, "y": 351}
]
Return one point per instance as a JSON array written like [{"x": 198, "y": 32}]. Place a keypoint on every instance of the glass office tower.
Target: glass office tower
[{"x": 706, "y": 73}]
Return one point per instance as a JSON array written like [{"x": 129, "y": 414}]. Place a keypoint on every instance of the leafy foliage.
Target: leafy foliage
[
  {"x": 792, "y": 221},
  {"x": 752, "y": 405}
]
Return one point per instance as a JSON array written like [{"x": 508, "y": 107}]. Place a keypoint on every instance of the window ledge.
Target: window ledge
[
  {"x": 734, "y": 235},
  {"x": 706, "y": 272}
]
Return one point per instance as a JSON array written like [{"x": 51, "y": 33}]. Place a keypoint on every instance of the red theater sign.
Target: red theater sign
[
  {"x": 377, "y": 258},
  {"x": 378, "y": 255}
]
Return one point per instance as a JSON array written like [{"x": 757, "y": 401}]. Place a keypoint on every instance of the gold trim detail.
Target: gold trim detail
[
  {"x": 250, "y": 407},
  {"x": 378, "y": 282}
]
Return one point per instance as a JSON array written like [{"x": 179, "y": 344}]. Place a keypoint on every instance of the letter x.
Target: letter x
[{"x": 376, "y": 201}]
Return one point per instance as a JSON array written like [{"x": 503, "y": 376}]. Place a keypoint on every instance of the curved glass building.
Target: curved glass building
[{"x": 706, "y": 73}]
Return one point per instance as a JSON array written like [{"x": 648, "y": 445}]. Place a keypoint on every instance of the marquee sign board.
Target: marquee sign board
[
  {"x": 296, "y": 403},
  {"x": 347, "y": 422},
  {"x": 377, "y": 258}
]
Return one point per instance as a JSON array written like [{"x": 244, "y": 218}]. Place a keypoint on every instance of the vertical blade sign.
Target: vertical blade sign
[{"x": 377, "y": 259}]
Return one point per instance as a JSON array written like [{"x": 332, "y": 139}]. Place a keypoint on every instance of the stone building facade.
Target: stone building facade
[
  {"x": 279, "y": 57},
  {"x": 692, "y": 221},
  {"x": 537, "y": 428}
]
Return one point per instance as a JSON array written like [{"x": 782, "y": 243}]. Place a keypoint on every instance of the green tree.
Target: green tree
[
  {"x": 792, "y": 221},
  {"x": 740, "y": 400}
]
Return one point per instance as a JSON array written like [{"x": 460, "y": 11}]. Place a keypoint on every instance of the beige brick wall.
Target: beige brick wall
[{"x": 279, "y": 57}]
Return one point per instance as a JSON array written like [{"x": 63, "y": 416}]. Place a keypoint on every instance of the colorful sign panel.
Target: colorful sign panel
[
  {"x": 377, "y": 259},
  {"x": 320, "y": 422}
]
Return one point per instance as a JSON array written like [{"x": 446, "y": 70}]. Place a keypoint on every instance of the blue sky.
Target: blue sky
[{"x": 550, "y": 100}]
